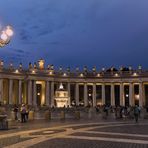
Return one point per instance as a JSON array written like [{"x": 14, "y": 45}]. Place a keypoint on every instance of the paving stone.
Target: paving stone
[
  {"x": 74, "y": 143},
  {"x": 132, "y": 129}
]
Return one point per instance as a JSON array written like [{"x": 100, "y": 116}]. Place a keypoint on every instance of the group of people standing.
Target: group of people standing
[
  {"x": 120, "y": 111},
  {"x": 24, "y": 111},
  {"x": 130, "y": 112}
]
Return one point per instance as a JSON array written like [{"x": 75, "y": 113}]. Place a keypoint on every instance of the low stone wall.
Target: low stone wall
[{"x": 72, "y": 114}]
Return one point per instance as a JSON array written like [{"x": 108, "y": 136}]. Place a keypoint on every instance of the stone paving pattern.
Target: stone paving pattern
[
  {"x": 73, "y": 143},
  {"x": 72, "y": 133},
  {"x": 136, "y": 129}
]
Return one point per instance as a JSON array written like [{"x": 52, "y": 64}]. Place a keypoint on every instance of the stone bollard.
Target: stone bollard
[
  {"x": 3, "y": 122},
  {"x": 118, "y": 115},
  {"x": 77, "y": 115},
  {"x": 31, "y": 115},
  {"x": 47, "y": 115},
  {"x": 12, "y": 115},
  {"x": 146, "y": 115},
  {"x": 5, "y": 125},
  {"x": 62, "y": 115}
]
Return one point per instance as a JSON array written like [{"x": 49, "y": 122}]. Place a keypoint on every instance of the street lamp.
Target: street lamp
[{"x": 5, "y": 36}]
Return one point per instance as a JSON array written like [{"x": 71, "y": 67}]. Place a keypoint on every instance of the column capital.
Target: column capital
[{"x": 112, "y": 84}]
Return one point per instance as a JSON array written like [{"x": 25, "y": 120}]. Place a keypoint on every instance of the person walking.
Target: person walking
[
  {"x": 27, "y": 113},
  {"x": 15, "y": 112},
  {"x": 23, "y": 113},
  {"x": 105, "y": 111},
  {"x": 136, "y": 113},
  {"x": 139, "y": 111}
]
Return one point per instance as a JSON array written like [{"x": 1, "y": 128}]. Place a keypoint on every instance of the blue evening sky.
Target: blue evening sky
[{"x": 77, "y": 32}]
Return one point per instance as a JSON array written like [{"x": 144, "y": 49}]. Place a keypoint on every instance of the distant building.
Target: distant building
[{"x": 37, "y": 85}]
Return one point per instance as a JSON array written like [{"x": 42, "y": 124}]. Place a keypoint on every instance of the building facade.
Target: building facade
[{"x": 36, "y": 85}]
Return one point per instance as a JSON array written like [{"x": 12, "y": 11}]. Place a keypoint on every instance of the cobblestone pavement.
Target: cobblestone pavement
[{"x": 75, "y": 134}]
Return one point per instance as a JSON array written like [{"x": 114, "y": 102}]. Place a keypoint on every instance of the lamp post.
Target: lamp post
[{"x": 5, "y": 35}]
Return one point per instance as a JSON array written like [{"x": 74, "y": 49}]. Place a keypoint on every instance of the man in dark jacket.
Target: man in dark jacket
[{"x": 136, "y": 113}]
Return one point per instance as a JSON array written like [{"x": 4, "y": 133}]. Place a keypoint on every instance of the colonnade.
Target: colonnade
[{"x": 31, "y": 92}]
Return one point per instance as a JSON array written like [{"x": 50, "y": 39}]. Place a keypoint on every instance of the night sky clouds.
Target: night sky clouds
[{"x": 77, "y": 33}]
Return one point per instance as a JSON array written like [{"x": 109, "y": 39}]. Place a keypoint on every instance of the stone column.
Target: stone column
[
  {"x": 143, "y": 88},
  {"x": 52, "y": 94},
  {"x": 85, "y": 95},
  {"x": 77, "y": 94},
  {"x": 30, "y": 92},
  {"x": 103, "y": 93},
  {"x": 122, "y": 101},
  {"x": 1, "y": 90},
  {"x": 20, "y": 91},
  {"x": 34, "y": 94},
  {"x": 47, "y": 93},
  {"x": 94, "y": 95},
  {"x": 112, "y": 95},
  {"x": 131, "y": 101},
  {"x": 10, "y": 91},
  {"x": 141, "y": 95},
  {"x": 68, "y": 87}
]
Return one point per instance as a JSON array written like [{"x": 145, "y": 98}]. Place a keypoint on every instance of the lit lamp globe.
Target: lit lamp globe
[
  {"x": 9, "y": 31},
  {"x": 4, "y": 36}
]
